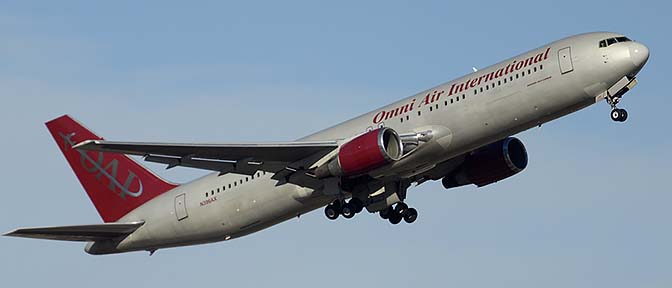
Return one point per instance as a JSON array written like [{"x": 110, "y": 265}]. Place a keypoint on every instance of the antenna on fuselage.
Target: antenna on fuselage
[{"x": 474, "y": 68}]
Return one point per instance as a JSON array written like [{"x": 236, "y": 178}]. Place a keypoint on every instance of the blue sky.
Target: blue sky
[{"x": 591, "y": 210}]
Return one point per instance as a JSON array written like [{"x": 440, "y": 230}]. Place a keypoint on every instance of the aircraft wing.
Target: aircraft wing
[
  {"x": 225, "y": 158},
  {"x": 93, "y": 232}
]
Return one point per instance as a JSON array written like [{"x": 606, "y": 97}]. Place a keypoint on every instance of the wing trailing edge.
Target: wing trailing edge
[
  {"x": 223, "y": 158},
  {"x": 277, "y": 152},
  {"x": 94, "y": 232}
]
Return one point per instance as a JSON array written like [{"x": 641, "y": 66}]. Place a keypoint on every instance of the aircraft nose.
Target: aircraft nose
[{"x": 639, "y": 54}]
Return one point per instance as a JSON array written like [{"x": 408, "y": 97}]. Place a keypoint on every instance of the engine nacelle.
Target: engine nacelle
[
  {"x": 489, "y": 164},
  {"x": 364, "y": 153}
]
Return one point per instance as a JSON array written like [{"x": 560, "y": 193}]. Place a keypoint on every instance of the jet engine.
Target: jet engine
[
  {"x": 489, "y": 164},
  {"x": 364, "y": 153}
]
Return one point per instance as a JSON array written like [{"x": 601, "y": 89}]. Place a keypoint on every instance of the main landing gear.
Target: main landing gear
[
  {"x": 399, "y": 212},
  {"x": 347, "y": 209}
]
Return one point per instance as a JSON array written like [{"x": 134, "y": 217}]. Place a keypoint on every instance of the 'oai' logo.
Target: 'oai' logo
[{"x": 109, "y": 171}]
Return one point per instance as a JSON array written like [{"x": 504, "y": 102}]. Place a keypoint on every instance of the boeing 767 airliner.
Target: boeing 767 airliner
[{"x": 458, "y": 132}]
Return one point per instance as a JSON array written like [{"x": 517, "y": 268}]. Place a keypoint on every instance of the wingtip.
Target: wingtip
[{"x": 83, "y": 145}]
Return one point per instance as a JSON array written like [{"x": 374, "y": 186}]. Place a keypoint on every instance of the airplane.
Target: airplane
[{"x": 459, "y": 132}]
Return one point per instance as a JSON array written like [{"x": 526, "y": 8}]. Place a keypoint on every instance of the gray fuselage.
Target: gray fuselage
[{"x": 466, "y": 113}]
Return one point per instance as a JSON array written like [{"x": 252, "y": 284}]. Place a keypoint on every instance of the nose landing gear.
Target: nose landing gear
[
  {"x": 619, "y": 115},
  {"x": 614, "y": 94}
]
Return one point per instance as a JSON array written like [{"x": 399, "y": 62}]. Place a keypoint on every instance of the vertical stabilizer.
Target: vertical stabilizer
[{"x": 115, "y": 183}]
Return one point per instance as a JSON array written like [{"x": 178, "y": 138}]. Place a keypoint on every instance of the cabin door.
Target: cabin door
[
  {"x": 181, "y": 207},
  {"x": 565, "y": 59}
]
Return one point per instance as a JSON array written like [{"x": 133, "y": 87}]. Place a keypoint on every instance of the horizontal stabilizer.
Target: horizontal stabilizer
[{"x": 94, "y": 232}]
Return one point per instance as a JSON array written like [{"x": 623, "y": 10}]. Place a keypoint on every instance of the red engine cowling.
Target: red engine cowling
[
  {"x": 364, "y": 153},
  {"x": 487, "y": 165}
]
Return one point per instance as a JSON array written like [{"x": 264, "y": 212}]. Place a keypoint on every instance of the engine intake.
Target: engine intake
[
  {"x": 492, "y": 163},
  {"x": 364, "y": 153}
]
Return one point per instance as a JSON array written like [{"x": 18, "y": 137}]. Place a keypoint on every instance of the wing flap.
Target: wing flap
[{"x": 93, "y": 232}]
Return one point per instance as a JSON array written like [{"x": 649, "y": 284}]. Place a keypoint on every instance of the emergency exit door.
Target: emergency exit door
[
  {"x": 565, "y": 60},
  {"x": 181, "y": 207}
]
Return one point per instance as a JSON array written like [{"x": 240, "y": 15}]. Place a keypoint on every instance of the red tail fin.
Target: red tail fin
[{"x": 115, "y": 183}]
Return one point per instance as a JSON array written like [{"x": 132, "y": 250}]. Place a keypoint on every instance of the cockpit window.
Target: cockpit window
[{"x": 610, "y": 41}]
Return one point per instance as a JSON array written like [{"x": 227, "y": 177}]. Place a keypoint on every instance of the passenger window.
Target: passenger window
[
  {"x": 451, "y": 101},
  {"x": 541, "y": 66},
  {"x": 418, "y": 113},
  {"x": 511, "y": 78},
  {"x": 504, "y": 80},
  {"x": 430, "y": 108},
  {"x": 535, "y": 69},
  {"x": 217, "y": 190},
  {"x": 487, "y": 87},
  {"x": 499, "y": 82},
  {"x": 522, "y": 74},
  {"x": 481, "y": 90},
  {"x": 475, "y": 92},
  {"x": 463, "y": 96},
  {"x": 516, "y": 75}
]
